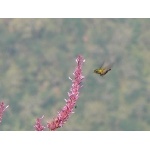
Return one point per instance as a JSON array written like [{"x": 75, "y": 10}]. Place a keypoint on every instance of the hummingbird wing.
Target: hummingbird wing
[
  {"x": 109, "y": 66},
  {"x": 102, "y": 64}
]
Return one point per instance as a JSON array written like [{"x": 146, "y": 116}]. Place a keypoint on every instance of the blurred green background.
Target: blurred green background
[{"x": 38, "y": 55}]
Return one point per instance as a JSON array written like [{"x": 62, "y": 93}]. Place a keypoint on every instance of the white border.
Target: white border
[
  {"x": 96, "y": 140},
  {"x": 74, "y": 9}
]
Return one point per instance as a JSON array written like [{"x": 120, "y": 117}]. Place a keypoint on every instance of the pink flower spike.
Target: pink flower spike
[
  {"x": 73, "y": 96},
  {"x": 38, "y": 126},
  {"x": 2, "y": 109}
]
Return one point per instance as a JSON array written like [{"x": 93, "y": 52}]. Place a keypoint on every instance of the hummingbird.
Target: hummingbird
[{"x": 103, "y": 70}]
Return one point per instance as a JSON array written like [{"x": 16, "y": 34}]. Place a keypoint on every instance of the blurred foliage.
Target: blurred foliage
[{"x": 38, "y": 55}]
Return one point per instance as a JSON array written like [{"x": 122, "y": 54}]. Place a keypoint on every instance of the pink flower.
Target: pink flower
[
  {"x": 38, "y": 126},
  {"x": 73, "y": 96},
  {"x": 2, "y": 109}
]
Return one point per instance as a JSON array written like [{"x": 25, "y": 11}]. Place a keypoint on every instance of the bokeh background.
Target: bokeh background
[{"x": 38, "y": 55}]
